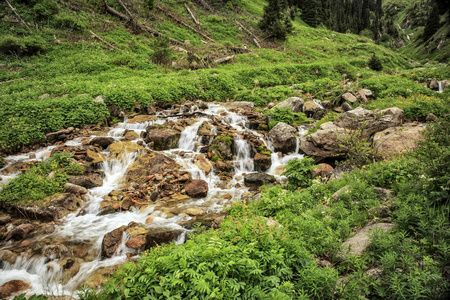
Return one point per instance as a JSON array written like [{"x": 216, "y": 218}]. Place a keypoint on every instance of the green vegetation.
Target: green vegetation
[
  {"x": 40, "y": 180},
  {"x": 298, "y": 172},
  {"x": 285, "y": 115}
]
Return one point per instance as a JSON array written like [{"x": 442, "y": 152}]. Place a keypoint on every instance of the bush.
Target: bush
[
  {"x": 299, "y": 172},
  {"x": 375, "y": 63},
  {"x": 161, "y": 51},
  {"x": 29, "y": 45},
  {"x": 67, "y": 21}
]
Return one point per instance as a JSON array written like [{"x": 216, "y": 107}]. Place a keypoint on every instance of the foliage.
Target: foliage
[
  {"x": 35, "y": 184},
  {"x": 29, "y": 45},
  {"x": 391, "y": 86},
  {"x": 161, "y": 51},
  {"x": 375, "y": 63},
  {"x": 299, "y": 172},
  {"x": 32, "y": 297},
  {"x": 330, "y": 117},
  {"x": 276, "y": 21},
  {"x": 285, "y": 115}
]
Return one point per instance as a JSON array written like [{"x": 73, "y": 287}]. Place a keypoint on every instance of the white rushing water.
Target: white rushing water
[{"x": 88, "y": 228}]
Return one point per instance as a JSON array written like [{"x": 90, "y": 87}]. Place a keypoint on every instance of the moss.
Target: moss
[{"x": 216, "y": 158}]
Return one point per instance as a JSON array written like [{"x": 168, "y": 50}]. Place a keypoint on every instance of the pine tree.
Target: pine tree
[
  {"x": 432, "y": 24},
  {"x": 276, "y": 20}
]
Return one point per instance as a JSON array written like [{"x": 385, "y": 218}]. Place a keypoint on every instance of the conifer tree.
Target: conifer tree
[{"x": 276, "y": 20}]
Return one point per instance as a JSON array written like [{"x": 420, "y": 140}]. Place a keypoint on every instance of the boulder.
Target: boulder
[
  {"x": 221, "y": 148},
  {"x": 88, "y": 181},
  {"x": 20, "y": 232},
  {"x": 346, "y": 107},
  {"x": 205, "y": 129},
  {"x": 12, "y": 288},
  {"x": 294, "y": 103},
  {"x": 111, "y": 242},
  {"x": 361, "y": 96},
  {"x": 431, "y": 118},
  {"x": 94, "y": 158},
  {"x": 379, "y": 212},
  {"x": 102, "y": 141},
  {"x": 74, "y": 189},
  {"x": 149, "y": 163},
  {"x": 349, "y": 97},
  {"x": 394, "y": 141},
  {"x": 371, "y": 121},
  {"x": 322, "y": 170},
  {"x": 160, "y": 236},
  {"x": 433, "y": 84},
  {"x": 357, "y": 244},
  {"x": 283, "y": 137},
  {"x": 136, "y": 242},
  {"x": 368, "y": 93},
  {"x": 163, "y": 139},
  {"x": 197, "y": 188},
  {"x": 4, "y": 218},
  {"x": 203, "y": 164},
  {"x": 57, "y": 208},
  {"x": 223, "y": 166},
  {"x": 131, "y": 135},
  {"x": 258, "y": 179},
  {"x": 143, "y": 118},
  {"x": 322, "y": 143},
  {"x": 9, "y": 256},
  {"x": 55, "y": 251},
  {"x": 67, "y": 201},
  {"x": 311, "y": 107},
  {"x": 192, "y": 211},
  {"x": 262, "y": 162},
  {"x": 121, "y": 148}
]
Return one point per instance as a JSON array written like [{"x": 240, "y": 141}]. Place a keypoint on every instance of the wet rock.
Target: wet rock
[
  {"x": 294, "y": 103},
  {"x": 323, "y": 170},
  {"x": 205, "y": 129},
  {"x": 131, "y": 135},
  {"x": 88, "y": 181},
  {"x": 221, "y": 148},
  {"x": 258, "y": 179},
  {"x": 262, "y": 162},
  {"x": 197, "y": 188},
  {"x": 349, "y": 97},
  {"x": 67, "y": 201},
  {"x": 20, "y": 232},
  {"x": 12, "y": 288},
  {"x": 161, "y": 236},
  {"x": 192, "y": 211},
  {"x": 357, "y": 244},
  {"x": 346, "y": 107},
  {"x": 107, "y": 211},
  {"x": 94, "y": 158},
  {"x": 322, "y": 143},
  {"x": 163, "y": 139},
  {"x": 111, "y": 242},
  {"x": 9, "y": 256},
  {"x": 74, "y": 189},
  {"x": 136, "y": 229},
  {"x": 55, "y": 251},
  {"x": 121, "y": 148},
  {"x": 223, "y": 166},
  {"x": 143, "y": 118},
  {"x": 136, "y": 242},
  {"x": 203, "y": 164},
  {"x": 4, "y": 218},
  {"x": 102, "y": 141},
  {"x": 371, "y": 121},
  {"x": 310, "y": 108},
  {"x": 149, "y": 163},
  {"x": 394, "y": 141},
  {"x": 283, "y": 137},
  {"x": 431, "y": 118}
]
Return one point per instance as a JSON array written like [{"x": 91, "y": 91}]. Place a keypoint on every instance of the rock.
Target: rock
[
  {"x": 346, "y": 107},
  {"x": 111, "y": 242},
  {"x": 394, "y": 141},
  {"x": 102, "y": 141},
  {"x": 203, "y": 164},
  {"x": 74, "y": 189},
  {"x": 283, "y": 137},
  {"x": 221, "y": 148},
  {"x": 368, "y": 93},
  {"x": 55, "y": 251},
  {"x": 294, "y": 103},
  {"x": 433, "y": 84},
  {"x": 379, "y": 212},
  {"x": 149, "y": 163},
  {"x": 205, "y": 129},
  {"x": 349, "y": 97},
  {"x": 120, "y": 148},
  {"x": 197, "y": 188},
  {"x": 160, "y": 236},
  {"x": 337, "y": 195},
  {"x": 357, "y": 244},
  {"x": 258, "y": 179},
  {"x": 223, "y": 166},
  {"x": 12, "y": 288},
  {"x": 322, "y": 143},
  {"x": 163, "y": 139},
  {"x": 142, "y": 118},
  {"x": 262, "y": 162},
  {"x": 9, "y": 256},
  {"x": 4, "y": 218},
  {"x": 88, "y": 181},
  {"x": 322, "y": 170},
  {"x": 136, "y": 242},
  {"x": 107, "y": 211},
  {"x": 375, "y": 272},
  {"x": 195, "y": 211},
  {"x": 241, "y": 104},
  {"x": 131, "y": 135},
  {"x": 326, "y": 104},
  {"x": 382, "y": 193},
  {"x": 361, "y": 96},
  {"x": 94, "y": 158},
  {"x": 99, "y": 99},
  {"x": 431, "y": 118},
  {"x": 311, "y": 107},
  {"x": 371, "y": 121},
  {"x": 20, "y": 232},
  {"x": 68, "y": 201}
]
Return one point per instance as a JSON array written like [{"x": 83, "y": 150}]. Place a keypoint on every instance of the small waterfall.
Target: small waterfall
[
  {"x": 244, "y": 160},
  {"x": 319, "y": 103},
  {"x": 441, "y": 86},
  {"x": 189, "y": 136}
]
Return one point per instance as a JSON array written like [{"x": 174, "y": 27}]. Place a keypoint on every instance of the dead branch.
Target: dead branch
[
  {"x": 17, "y": 15},
  {"x": 255, "y": 38},
  {"x": 102, "y": 40},
  {"x": 238, "y": 50},
  {"x": 224, "y": 59},
  {"x": 192, "y": 14}
]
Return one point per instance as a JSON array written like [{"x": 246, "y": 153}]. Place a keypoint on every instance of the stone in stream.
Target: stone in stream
[
  {"x": 159, "y": 236},
  {"x": 311, "y": 107},
  {"x": 294, "y": 103},
  {"x": 88, "y": 181},
  {"x": 203, "y": 164},
  {"x": 283, "y": 137},
  {"x": 136, "y": 242},
  {"x": 197, "y": 188},
  {"x": 223, "y": 166},
  {"x": 131, "y": 135},
  {"x": 12, "y": 288},
  {"x": 120, "y": 148},
  {"x": 258, "y": 179},
  {"x": 163, "y": 139},
  {"x": 394, "y": 141},
  {"x": 74, "y": 189},
  {"x": 102, "y": 141},
  {"x": 111, "y": 242},
  {"x": 262, "y": 162},
  {"x": 20, "y": 232},
  {"x": 9, "y": 256},
  {"x": 205, "y": 129}
]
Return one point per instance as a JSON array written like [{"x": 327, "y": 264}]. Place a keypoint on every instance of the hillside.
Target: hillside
[{"x": 181, "y": 149}]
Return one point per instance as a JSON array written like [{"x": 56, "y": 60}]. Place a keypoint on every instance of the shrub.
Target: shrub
[
  {"x": 375, "y": 63},
  {"x": 161, "y": 51},
  {"x": 67, "y": 21},
  {"x": 299, "y": 172},
  {"x": 29, "y": 45}
]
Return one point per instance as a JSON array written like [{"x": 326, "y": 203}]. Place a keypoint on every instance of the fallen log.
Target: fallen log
[
  {"x": 224, "y": 59},
  {"x": 192, "y": 14},
  {"x": 17, "y": 15},
  {"x": 102, "y": 40},
  {"x": 62, "y": 131},
  {"x": 255, "y": 38}
]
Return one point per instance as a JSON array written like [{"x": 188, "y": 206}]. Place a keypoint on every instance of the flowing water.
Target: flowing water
[{"x": 45, "y": 275}]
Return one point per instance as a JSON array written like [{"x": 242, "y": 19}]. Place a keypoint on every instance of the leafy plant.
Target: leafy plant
[
  {"x": 299, "y": 172},
  {"x": 161, "y": 51}
]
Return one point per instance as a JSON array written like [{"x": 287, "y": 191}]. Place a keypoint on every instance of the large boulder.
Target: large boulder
[
  {"x": 322, "y": 143},
  {"x": 163, "y": 139},
  {"x": 136, "y": 242},
  {"x": 111, "y": 242},
  {"x": 393, "y": 141},
  {"x": 160, "y": 236},
  {"x": 203, "y": 164},
  {"x": 221, "y": 148},
  {"x": 283, "y": 137},
  {"x": 205, "y": 129},
  {"x": 74, "y": 189},
  {"x": 20, "y": 232},
  {"x": 258, "y": 179},
  {"x": 102, "y": 141},
  {"x": 57, "y": 208},
  {"x": 88, "y": 181},
  {"x": 197, "y": 188},
  {"x": 311, "y": 107},
  {"x": 149, "y": 163},
  {"x": 294, "y": 103},
  {"x": 349, "y": 97},
  {"x": 262, "y": 162},
  {"x": 118, "y": 149},
  {"x": 12, "y": 288},
  {"x": 371, "y": 121}
]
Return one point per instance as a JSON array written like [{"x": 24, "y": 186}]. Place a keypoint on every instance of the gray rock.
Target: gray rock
[
  {"x": 322, "y": 143},
  {"x": 395, "y": 141},
  {"x": 283, "y": 137},
  {"x": 241, "y": 104},
  {"x": 75, "y": 189},
  {"x": 346, "y": 107},
  {"x": 88, "y": 181},
  {"x": 161, "y": 236},
  {"x": 294, "y": 103},
  {"x": 349, "y": 97},
  {"x": 258, "y": 179},
  {"x": 102, "y": 141},
  {"x": 379, "y": 212},
  {"x": 382, "y": 193}
]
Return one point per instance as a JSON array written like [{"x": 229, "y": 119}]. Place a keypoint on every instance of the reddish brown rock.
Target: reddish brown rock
[
  {"x": 102, "y": 141},
  {"x": 197, "y": 188},
  {"x": 12, "y": 288},
  {"x": 163, "y": 139},
  {"x": 322, "y": 170},
  {"x": 136, "y": 242},
  {"x": 20, "y": 232},
  {"x": 262, "y": 162},
  {"x": 111, "y": 241}
]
